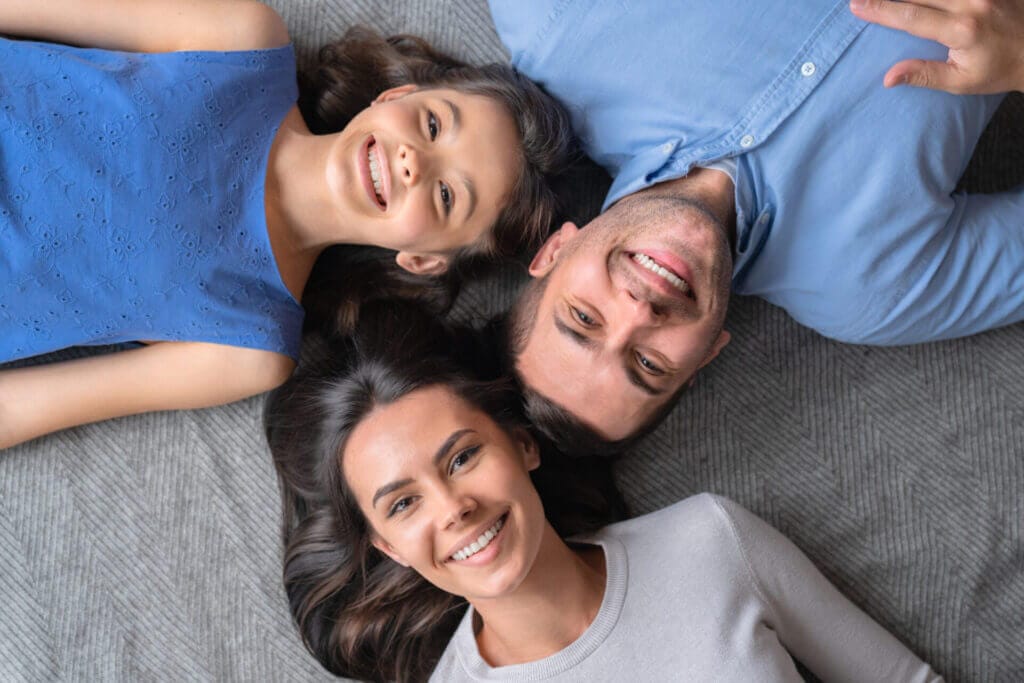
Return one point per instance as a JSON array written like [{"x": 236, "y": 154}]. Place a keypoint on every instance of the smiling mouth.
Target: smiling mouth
[
  {"x": 376, "y": 177},
  {"x": 648, "y": 263},
  {"x": 481, "y": 542}
]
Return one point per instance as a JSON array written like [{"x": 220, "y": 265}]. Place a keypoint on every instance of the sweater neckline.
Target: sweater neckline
[{"x": 616, "y": 569}]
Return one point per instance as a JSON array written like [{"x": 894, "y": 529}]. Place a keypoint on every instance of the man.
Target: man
[{"x": 755, "y": 143}]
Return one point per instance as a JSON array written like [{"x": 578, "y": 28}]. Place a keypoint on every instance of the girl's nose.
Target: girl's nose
[{"x": 408, "y": 164}]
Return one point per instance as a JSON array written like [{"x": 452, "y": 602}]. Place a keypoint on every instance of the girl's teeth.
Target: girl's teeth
[
  {"x": 480, "y": 543},
  {"x": 651, "y": 265},
  {"x": 375, "y": 173}
]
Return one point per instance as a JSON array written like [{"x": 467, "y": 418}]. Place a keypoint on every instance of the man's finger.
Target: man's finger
[
  {"x": 918, "y": 19},
  {"x": 924, "y": 74}
]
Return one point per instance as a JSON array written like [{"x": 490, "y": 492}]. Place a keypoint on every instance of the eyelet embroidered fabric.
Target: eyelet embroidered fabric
[{"x": 131, "y": 198}]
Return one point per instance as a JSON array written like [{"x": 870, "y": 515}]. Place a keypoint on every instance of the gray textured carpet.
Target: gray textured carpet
[{"x": 146, "y": 548}]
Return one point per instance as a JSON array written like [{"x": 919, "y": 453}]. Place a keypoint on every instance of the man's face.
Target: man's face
[{"x": 633, "y": 306}]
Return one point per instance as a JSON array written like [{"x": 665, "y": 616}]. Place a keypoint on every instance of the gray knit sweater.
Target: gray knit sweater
[{"x": 705, "y": 591}]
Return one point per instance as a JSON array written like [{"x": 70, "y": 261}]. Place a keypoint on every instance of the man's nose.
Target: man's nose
[
  {"x": 637, "y": 306},
  {"x": 408, "y": 164}
]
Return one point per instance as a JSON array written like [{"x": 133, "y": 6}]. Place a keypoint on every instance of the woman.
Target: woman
[
  {"x": 407, "y": 494},
  {"x": 174, "y": 195}
]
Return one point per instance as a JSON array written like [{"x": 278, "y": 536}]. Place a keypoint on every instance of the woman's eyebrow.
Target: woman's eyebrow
[{"x": 442, "y": 451}]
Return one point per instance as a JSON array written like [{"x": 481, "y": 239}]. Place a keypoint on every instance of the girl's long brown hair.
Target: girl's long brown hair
[{"x": 347, "y": 78}]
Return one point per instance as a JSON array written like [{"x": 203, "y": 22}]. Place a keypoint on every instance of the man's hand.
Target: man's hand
[{"x": 985, "y": 40}]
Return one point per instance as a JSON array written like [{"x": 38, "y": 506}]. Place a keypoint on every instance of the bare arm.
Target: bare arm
[
  {"x": 163, "y": 376},
  {"x": 147, "y": 25},
  {"x": 985, "y": 40}
]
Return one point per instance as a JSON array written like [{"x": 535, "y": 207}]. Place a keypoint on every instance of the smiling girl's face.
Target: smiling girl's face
[
  {"x": 426, "y": 171},
  {"x": 447, "y": 492}
]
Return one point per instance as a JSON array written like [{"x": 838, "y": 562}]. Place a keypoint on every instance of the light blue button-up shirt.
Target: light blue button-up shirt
[{"x": 846, "y": 215}]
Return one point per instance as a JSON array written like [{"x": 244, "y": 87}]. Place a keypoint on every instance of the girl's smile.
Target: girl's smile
[{"x": 423, "y": 171}]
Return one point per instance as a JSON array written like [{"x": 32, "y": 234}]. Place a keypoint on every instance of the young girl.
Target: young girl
[
  {"x": 408, "y": 494},
  {"x": 165, "y": 189}
]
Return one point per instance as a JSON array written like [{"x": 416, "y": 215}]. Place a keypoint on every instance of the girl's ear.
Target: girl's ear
[
  {"x": 528, "y": 447},
  {"x": 422, "y": 264},
  {"x": 386, "y": 548},
  {"x": 394, "y": 93}
]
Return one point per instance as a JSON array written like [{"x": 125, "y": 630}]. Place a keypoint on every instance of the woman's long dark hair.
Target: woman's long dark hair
[
  {"x": 360, "y": 613},
  {"x": 347, "y": 78}
]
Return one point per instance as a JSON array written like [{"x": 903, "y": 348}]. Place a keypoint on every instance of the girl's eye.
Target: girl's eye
[
  {"x": 446, "y": 198},
  {"x": 462, "y": 459},
  {"x": 400, "y": 505},
  {"x": 432, "y": 127},
  {"x": 584, "y": 319},
  {"x": 649, "y": 366}
]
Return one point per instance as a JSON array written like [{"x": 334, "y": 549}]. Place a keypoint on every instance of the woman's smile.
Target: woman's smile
[{"x": 478, "y": 550}]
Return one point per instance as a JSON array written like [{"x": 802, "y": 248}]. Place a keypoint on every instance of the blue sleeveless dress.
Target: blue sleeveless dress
[{"x": 131, "y": 198}]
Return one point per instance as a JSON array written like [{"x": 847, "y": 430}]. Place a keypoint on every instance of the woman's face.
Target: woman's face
[
  {"x": 447, "y": 492},
  {"x": 425, "y": 171}
]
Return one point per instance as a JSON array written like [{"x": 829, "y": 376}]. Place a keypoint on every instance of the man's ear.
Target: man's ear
[
  {"x": 385, "y": 547},
  {"x": 723, "y": 339},
  {"x": 422, "y": 264},
  {"x": 394, "y": 93},
  {"x": 528, "y": 447},
  {"x": 546, "y": 257}
]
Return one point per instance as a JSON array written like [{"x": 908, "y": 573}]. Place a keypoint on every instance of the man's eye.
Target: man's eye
[
  {"x": 446, "y": 198},
  {"x": 648, "y": 365},
  {"x": 462, "y": 459},
  {"x": 432, "y": 125},
  {"x": 584, "y": 319},
  {"x": 400, "y": 505}
]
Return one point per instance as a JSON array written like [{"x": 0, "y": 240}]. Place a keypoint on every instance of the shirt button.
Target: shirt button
[
  {"x": 667, "y": 147},
  {"x": 764, "y": 218},
  {"x": 807, "y": 69},
  {"x": 746, "y": 141}
]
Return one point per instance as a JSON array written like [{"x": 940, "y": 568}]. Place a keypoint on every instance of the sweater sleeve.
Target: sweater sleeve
[{"x": 814, "y": 621}]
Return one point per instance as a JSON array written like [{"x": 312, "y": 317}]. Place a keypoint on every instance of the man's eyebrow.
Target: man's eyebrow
[
  {"x": 442, "y": 451},
  {"x": 586, "y": 342},
  {"x": 636, "y": 380},
  {"x": 578, "y": 338}
]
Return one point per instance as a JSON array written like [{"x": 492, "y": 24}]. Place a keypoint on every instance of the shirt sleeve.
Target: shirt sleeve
[
  {"x": 813, "y": 620},
  {"x": 969, "y": 277}
]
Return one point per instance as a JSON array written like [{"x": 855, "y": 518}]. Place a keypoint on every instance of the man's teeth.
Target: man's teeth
[
  {"x": 651, "y": 265},
  {"x": 371, "y": 154},
  {"x": 480, "y": 543}
]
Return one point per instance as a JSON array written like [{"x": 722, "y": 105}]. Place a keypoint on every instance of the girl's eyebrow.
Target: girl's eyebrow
[{"x": 444, "y": 449}]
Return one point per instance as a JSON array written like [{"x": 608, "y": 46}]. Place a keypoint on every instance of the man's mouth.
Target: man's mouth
[
  {"x": 481, "y": 542},
  {"x": 664, "y": 272}
]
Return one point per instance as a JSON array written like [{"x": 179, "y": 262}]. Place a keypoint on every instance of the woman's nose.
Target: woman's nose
[
  {"x": 457, "y": 508},
  {"x": 408, "y": 164}
]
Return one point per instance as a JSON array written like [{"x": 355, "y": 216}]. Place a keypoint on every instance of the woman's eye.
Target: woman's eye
[
  {"x": 584, "y": 319},
  {"x": 446, "y": 198},
  {"x": 462, "y": 458},
  {"x": 648, "y": 365},
  {"x": 400, "y": 505},
  {"x": 432, "y": 125}
]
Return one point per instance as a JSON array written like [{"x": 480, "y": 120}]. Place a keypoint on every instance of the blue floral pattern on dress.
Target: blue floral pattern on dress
[{"x": 131, "y": 198}]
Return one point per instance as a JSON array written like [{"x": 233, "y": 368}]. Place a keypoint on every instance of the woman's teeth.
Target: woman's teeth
[
  {"x": 378, "y": 188},
  {"x": 480, "y": 543},
  {"x": 651, "y": 265}
]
